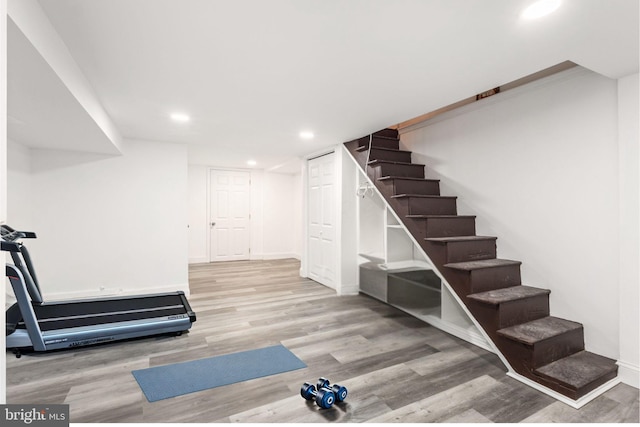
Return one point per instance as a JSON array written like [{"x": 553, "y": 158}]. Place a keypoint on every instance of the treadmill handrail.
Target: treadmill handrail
[
  {"x": 21, "y": 258},
  {"x": 9, "y": 246},
  {"x": 11, "y": 234},
  {"x": 28, "y": 315}
]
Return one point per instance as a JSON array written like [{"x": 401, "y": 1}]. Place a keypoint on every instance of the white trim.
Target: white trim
[
  {"x": 629, "y": 373},
  {"x": 338, "y": 158},
  {"x": 304, "y": 267},
  {"x": 357, "y": 213},
  {"x": 109, "y": 292},
  {"x": 576, "y": 404},
  {"x": 279, "y": 255},
  {"x": 199, "y": 260},
  {"x": 305, "y": 219},
  {"x": 319, "y": 153},
  {"x": 492, "y": 347}
]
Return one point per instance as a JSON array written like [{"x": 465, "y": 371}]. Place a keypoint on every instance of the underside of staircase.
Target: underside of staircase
[{"x": 545, "y": 349}]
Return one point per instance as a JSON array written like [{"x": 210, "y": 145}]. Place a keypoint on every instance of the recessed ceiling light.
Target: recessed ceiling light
[
  {"x": 252, "y": 162},
  {"x": 306, "y": 134},
  {"x": 180, "y": 117},
  {"x": 541, "y": 8}
]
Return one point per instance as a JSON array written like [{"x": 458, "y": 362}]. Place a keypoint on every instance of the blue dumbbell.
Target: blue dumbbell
[
  {"x": 339, "y": 391},
  {"x": 324, "y": 397}
]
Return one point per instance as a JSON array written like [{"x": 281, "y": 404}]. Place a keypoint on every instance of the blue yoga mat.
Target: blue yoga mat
[{"x": 163, "y": 382}]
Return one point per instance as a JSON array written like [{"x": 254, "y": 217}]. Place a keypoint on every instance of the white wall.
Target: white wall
[
  {"x": 257, "y": 208},
  {"x": 298, "y": 205},
  {"x": 19, "y": 192},
  {"x": 278, "y": 216},
  {"x": 3, "y": 168},
  {"x": 275, "y": 215},
  {"x": 106, "y": 225},
  {"x": 538, "y": 165},
  {"x": 629, "y": 191},
  {"x": 198, "y": 214}
]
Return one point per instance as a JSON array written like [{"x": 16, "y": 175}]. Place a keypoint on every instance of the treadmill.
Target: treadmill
[{"x": 34, "y": 324}]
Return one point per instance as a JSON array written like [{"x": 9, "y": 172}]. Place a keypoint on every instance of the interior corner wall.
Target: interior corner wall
[
  {"x": 629, "y": 190},
  {"x": 110, "y": 225},
  {"x": 19, "y": 192},
  {"x": 538, "y": 165},
  {"x": 297, "y": 200},
  {"x": 347, "y": 224},
  {"x": 198, "y": 214},
  {"x": 278, "y": 216}
]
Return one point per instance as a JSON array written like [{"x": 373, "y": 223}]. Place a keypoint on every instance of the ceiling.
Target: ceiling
[{"x": 252, "y": 74}]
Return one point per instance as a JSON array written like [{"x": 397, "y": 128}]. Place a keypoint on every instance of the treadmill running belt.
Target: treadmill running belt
[{"x": 72, "y": 322}]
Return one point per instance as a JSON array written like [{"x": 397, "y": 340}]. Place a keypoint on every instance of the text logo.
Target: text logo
[{"x": 35, "y": 415}]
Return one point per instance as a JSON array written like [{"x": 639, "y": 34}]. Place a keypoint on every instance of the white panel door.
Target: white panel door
[
  {"x": 321, "y": 220},
  {"x": 229, "y": 209}
]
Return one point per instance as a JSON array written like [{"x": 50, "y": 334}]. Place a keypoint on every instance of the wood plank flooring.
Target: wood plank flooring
[{"x": 397, "y": 368}]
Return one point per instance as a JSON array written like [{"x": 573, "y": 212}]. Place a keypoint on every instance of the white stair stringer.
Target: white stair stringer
[{"x": 576, "y": 404}]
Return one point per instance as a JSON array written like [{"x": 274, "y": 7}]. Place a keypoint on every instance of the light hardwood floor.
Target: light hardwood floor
[{"x": 397, "y": 368}]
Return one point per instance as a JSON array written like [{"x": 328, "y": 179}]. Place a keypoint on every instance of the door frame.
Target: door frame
[
  {"x": 304, "y": 264},
  {"x": 251, "y": 216}
]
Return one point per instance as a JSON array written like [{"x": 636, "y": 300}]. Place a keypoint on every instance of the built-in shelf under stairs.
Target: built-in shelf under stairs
[{"x": 545, "y": 349}]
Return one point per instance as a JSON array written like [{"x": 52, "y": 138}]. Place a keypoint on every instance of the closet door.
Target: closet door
[{"x": 321, "y": 219}]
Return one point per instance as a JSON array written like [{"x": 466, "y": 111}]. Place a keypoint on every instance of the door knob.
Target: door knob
[{"x": 213, "y": 224}]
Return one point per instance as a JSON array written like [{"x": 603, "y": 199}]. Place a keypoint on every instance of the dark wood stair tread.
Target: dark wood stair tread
[
  {"x": 485, "y": 263},
  {"x": 538, "y": 330},
  {"x": 548, "y": 350},
  {"x": 578, "y": 370},
  {"x": 391, "y": 162},
  {"x": 513, "y": 293},
  {"x": 454, "y": 239},
  {"x": 386, "y": 132},
  {"x": 406, "y": 178},
  {"x": 366, "y": 147},
  {"x": 423, "y": 196}
]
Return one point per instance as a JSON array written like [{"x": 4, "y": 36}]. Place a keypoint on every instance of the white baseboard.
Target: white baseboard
[
  {"x": 349, "y": 289},
  {"x": 273, "y": 255},
  {"x": 629, "y": 373},
  {"x": 575, "y": 404},
  {"x": 253, "y": 257},
  {"x": 280, "y": 255},
  {"x": 111, "y": 292}
]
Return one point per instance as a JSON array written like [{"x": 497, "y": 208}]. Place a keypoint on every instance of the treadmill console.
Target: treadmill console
[{"x": 8, "y": 234}]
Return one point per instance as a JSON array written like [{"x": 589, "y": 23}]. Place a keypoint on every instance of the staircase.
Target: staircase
[{"x": 545, "y": 349}]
